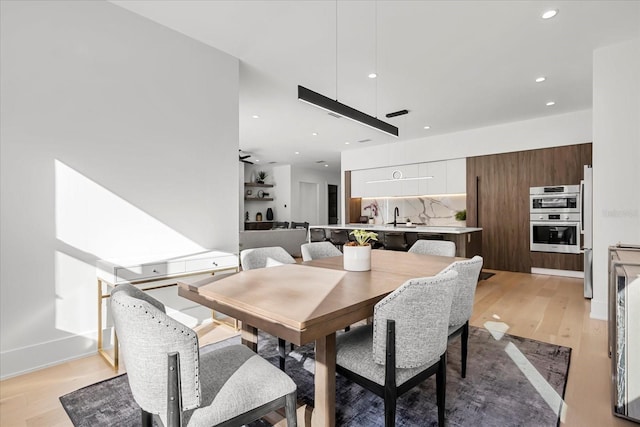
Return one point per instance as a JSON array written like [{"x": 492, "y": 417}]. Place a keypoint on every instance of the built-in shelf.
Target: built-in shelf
[
  {"x": 260, "y": 199},
  {"x": 255, "y": 184}
]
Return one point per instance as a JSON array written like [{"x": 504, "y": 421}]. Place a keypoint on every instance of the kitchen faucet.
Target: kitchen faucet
[{"x": 396, "y": 213}]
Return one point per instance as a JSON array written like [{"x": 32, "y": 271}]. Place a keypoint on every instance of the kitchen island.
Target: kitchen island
[{"x": 468, "y": 240}]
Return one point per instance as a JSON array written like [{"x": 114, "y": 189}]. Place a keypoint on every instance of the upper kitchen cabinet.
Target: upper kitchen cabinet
[
  {"x": 457, "y": 176},
  {"x": 437, "y": 184},
  {"x": 448, "y": 177},
  {"x": 410, "y": 187},
  {"x": 358, "y": 183},
  {"x": 371, "y": 183}
]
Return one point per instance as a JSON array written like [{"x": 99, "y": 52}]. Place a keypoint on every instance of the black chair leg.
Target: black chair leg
[
  {"x": 465, "y": 341},
  {"x": 389, "y": 408},
  {"x": 441, "y": 387},
  {"x": 390, "y": 390},
  {"x": 282, "y": 352},
  {"x": 290, "y": 409},
  {"x": 147, "y": 418}
]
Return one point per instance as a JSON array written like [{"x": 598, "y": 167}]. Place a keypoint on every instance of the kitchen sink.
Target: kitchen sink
[{"x": 400, "y": 225}]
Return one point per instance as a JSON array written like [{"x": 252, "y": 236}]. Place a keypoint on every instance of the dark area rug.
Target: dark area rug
[{"x": 511, "y": 381}]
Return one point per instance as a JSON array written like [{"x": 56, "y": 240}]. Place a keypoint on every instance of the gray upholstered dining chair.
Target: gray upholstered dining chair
[
  {"x": 406, "y": 344},
  {"x": 271, "y": 256},
  {"x": 463, "y": 297},
  {"x": 264, "y": 257},
  {"x": 315, "y": 250},
  {"x": 177, "y": 385},
  {"x": 434, "y": 247}
]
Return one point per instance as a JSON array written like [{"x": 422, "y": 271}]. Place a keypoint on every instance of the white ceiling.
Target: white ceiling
[{"x": 454, "y": 65}]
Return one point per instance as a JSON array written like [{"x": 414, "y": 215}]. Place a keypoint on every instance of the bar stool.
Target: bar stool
[
  {"x": 339, "y": 238},
  {"x": 395, "y": 241},
  {"x": 410, "y": 238},
  {"x": 318, "y": 235}
]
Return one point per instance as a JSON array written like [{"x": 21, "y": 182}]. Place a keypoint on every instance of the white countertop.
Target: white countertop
[{"x": 402, "y": 227}]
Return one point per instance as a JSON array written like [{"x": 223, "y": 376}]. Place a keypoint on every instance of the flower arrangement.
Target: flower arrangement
[{"x": 362, "y": 237}]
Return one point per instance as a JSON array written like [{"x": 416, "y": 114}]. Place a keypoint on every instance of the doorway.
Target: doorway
[
  {"x": 309, "y": 196},
  {"x": 332, "y": 203}
]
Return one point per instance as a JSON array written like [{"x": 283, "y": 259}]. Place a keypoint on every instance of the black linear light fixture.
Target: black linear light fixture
[{"x": 335, "y": 107}]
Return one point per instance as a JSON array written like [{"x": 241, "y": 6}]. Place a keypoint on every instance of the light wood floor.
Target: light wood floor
[{"x": 545, "y": 308}]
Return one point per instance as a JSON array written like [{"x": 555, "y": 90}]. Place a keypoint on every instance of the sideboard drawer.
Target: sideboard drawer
[
  {"x": 211, "y": 263},
  {"x": 149, "y": 271}
]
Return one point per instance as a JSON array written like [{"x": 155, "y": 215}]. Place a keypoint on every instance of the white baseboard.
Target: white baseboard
[
  {"x": 563, "y": 273},
  {"x": 38, "y": 356},
  {"x": 34, "y": 357}
]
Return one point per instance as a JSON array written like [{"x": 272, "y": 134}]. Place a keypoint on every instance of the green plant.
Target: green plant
[
  {"x": 461, "y": 215},
  {"x": 261, "y": 176},
  {"x": 363, "y": 237}
]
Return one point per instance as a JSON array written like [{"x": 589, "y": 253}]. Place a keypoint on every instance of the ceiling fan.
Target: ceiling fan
[{"x": 244, "y": 158}]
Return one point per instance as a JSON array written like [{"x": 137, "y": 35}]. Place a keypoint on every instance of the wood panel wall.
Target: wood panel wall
[{"x": 498, "y": 201}]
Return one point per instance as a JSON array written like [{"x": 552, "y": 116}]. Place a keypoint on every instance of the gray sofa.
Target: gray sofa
[{"x": 289, "y": 239}]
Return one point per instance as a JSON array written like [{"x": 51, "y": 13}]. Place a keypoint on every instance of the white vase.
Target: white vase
[{"x": 357, "y": 258}]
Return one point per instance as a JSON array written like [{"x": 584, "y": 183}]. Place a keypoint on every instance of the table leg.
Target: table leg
[
  {"x": 249, "y": 336},
  {"x": 324, "y": 412},
  {"x": 113, "y": 361}
]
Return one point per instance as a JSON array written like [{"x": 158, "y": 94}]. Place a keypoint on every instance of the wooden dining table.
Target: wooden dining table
[{"x": 309, "y": 302}]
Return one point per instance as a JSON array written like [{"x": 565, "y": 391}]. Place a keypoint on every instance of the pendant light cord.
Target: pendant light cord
[
  {"x": 375, "y": 38},
  {"x": 336, "y": 50}
]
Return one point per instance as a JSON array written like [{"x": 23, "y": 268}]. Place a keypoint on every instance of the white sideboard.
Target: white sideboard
[{"x": 153, "y": 272}]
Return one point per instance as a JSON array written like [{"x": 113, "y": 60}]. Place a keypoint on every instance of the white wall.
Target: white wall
[
  {"x": 551, "y": 131},
  {"x": 312, "y": 176},
  {"x": 286, "y": 191},
  {"x": 118, "y": 137},
  {"x": 616, "y": 158},
  {"x": 282, "y": 193}
]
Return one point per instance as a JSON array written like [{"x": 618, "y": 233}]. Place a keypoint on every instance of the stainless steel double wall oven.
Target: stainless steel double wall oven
[{"x": 554, "y": 214}]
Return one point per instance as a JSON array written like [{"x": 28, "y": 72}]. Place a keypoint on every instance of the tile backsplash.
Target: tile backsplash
[{"x": 433, "y": 211}]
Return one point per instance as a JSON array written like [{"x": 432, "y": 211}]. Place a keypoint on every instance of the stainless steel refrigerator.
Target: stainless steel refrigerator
[{"x": 586, "y": 197}]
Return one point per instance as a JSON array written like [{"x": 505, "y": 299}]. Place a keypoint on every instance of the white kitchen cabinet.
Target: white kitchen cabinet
[
  {"x": 410, "y": 187},
  {"x": 448, "y": 177},
  {"x": 457, "y": 176},
  {"x": 358, "y": 183},
  {"x": 437, "y": 184},
  {"x": 387, "y": 187}
]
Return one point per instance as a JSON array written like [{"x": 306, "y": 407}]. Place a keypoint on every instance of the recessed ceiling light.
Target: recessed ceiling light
[
  {"x": 373, "y": 75},
  {"x": 315, "y": 134},
  {"x": 297, "y": 152},
  {"x": 255, "y": 116},
  {"x": 427, "y": 127},
  {"x": 541, "y": 79},
  {"x": 257, "y": 160},
  {"x": 326, "y": 166},
  {"x": 347, "y": 143},
  {"x": 550, "y": 103},
  {"x": 550, "y": 14}
]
